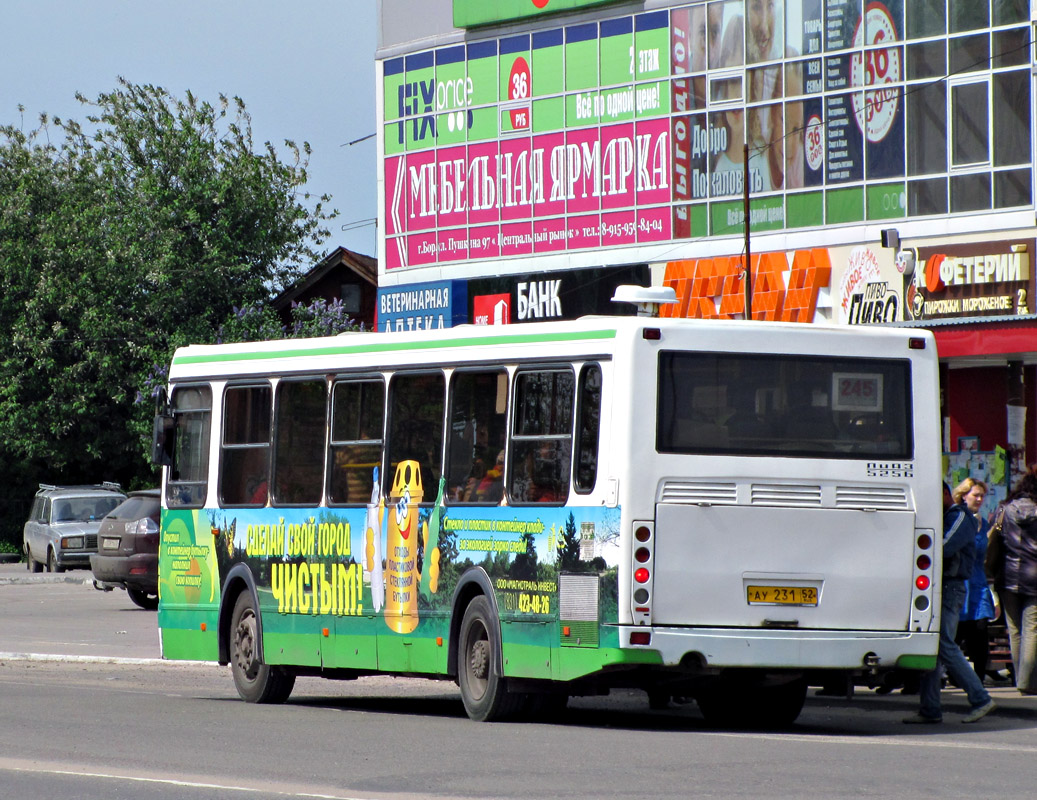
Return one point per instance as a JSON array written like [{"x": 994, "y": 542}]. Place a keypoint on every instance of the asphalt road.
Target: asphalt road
[{"x": 87, "y": 711}]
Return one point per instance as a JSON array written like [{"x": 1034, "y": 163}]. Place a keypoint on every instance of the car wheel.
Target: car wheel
[
  {"x": 52, "y": 562},
  {"x": 255, "y": 681},
  {"x": 143, "y": 599}
]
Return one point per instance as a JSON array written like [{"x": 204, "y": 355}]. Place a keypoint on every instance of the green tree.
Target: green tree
[
  {"x": 569, "y": 547},
  {"x": 524, "y": 567},
  {"x": 120, "y": 239}
]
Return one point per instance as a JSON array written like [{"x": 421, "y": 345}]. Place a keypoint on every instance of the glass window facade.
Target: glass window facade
[{"x": 630, "y": 130}]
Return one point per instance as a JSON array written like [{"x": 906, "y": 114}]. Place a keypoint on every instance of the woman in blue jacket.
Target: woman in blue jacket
[{"x": 980, "y": 606}]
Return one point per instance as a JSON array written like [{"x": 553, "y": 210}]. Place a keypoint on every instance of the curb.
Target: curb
[
  {"x": 147, "y": 662},
  {"x": 29, "y": 578}
]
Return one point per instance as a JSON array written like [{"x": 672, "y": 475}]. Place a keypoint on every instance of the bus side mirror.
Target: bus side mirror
[{"x": 162, "y": 436}]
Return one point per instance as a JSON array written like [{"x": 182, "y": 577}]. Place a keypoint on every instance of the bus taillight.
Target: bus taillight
[
  {"x": 642, "y": 564},
  {"x": 922, "y": 582},
  {"x": 924, "y": 562}
]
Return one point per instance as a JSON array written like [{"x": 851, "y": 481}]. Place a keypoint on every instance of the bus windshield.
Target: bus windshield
[{"x": 784, "y": 405}]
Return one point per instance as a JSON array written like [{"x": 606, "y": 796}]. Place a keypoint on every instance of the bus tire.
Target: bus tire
[
  {"x": 785, "y": 702},
  {"x": 255, "y": 681},
  {"x": 484, "y": 693}
]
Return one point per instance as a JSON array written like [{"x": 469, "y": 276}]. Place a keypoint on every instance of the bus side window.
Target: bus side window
[
  {"x": 188, "y": 477},
  {"x": 300, "y": 414},
  {"x": 540, "y": 452},
  {"x": 357, "y": 415},
  {"x": 245, "y": 451},
  {"x": 478, "y": 429},
  {"x": 416, "y": 404},
  {"x": 588, "y": 428}
]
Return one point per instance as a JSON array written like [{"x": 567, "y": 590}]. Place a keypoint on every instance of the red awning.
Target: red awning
[{"x": 986, "y": 339}]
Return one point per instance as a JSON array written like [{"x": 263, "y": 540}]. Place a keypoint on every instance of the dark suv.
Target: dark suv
[
  {"x": 61, "y": 531},
  {"x": 127, "y": 549}
]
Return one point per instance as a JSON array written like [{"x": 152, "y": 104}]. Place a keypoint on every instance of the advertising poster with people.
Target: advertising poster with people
[
  {"x": 804, "y": 142},
  {"x": 864, "y": 126}
]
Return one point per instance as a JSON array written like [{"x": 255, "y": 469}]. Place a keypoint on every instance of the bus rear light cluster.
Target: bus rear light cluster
[
  {"x": 642, "y": 558},
  {"x": 923, "y": 578}
]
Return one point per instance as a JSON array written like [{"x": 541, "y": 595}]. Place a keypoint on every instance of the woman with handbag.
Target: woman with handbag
[
  {"x": 980, "y": 606},
  {"x": 1015, "y": 578}
]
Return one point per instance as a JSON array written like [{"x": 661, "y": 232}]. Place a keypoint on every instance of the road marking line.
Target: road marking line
[
  {"x": 11, "y": 766},
  {"x": 887, "y": 741}
]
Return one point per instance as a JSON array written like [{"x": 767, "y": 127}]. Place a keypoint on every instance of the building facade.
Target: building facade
[{"x": 885, "y": 148}]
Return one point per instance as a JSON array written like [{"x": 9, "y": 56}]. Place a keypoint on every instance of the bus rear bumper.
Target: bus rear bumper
[{"x": 720, "y": 648}]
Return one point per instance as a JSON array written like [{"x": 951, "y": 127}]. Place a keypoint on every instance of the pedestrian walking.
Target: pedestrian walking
[
  {"x": 980, "y": 606},
  {"x": 1015, "y": 578},
  {"x": 959, "y": 550}
]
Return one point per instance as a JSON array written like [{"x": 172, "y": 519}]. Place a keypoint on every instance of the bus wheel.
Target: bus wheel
[
  {"x": 485, "y": 695},
  {"x": 255, "y": 681},
  {"x": 779, "y": 706}
]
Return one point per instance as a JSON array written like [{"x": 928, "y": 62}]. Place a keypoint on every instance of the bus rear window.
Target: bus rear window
[{"x": 784, "y": 405}]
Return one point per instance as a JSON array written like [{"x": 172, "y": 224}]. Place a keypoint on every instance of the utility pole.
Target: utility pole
[{"x": 745, "y": 212}]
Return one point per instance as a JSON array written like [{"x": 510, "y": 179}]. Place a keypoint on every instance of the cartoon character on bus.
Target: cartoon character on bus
[{"x": 401, "y": 550}]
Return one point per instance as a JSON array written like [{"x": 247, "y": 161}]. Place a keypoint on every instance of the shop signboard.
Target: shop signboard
[
  {"x": 531, "y": 144},
  {"x": 868, "y": 288},
  {"x": 792, "y": 286},
  {"x": 469, "y": 13},
  {"x": 543, "y": 297},
  {"x": 978, "y": 280},
  {"x": 421, "y": 306}
]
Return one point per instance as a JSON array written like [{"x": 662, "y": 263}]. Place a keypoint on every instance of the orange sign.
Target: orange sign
[{"x": 699, "y": 283}]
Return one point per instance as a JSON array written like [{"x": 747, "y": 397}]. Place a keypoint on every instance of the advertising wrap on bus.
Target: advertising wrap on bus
[{"x": 328, "y": 563}]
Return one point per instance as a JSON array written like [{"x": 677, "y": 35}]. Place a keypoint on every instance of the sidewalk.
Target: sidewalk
[
  {"x": 62, "y": 616},
  {"x": 16, "y": 572}
]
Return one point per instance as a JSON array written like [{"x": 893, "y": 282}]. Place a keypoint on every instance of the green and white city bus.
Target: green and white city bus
[{"x": 710, "y": 509}]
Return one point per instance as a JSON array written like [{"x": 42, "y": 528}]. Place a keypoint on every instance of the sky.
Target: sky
[{"x": 304, "y": 68}]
